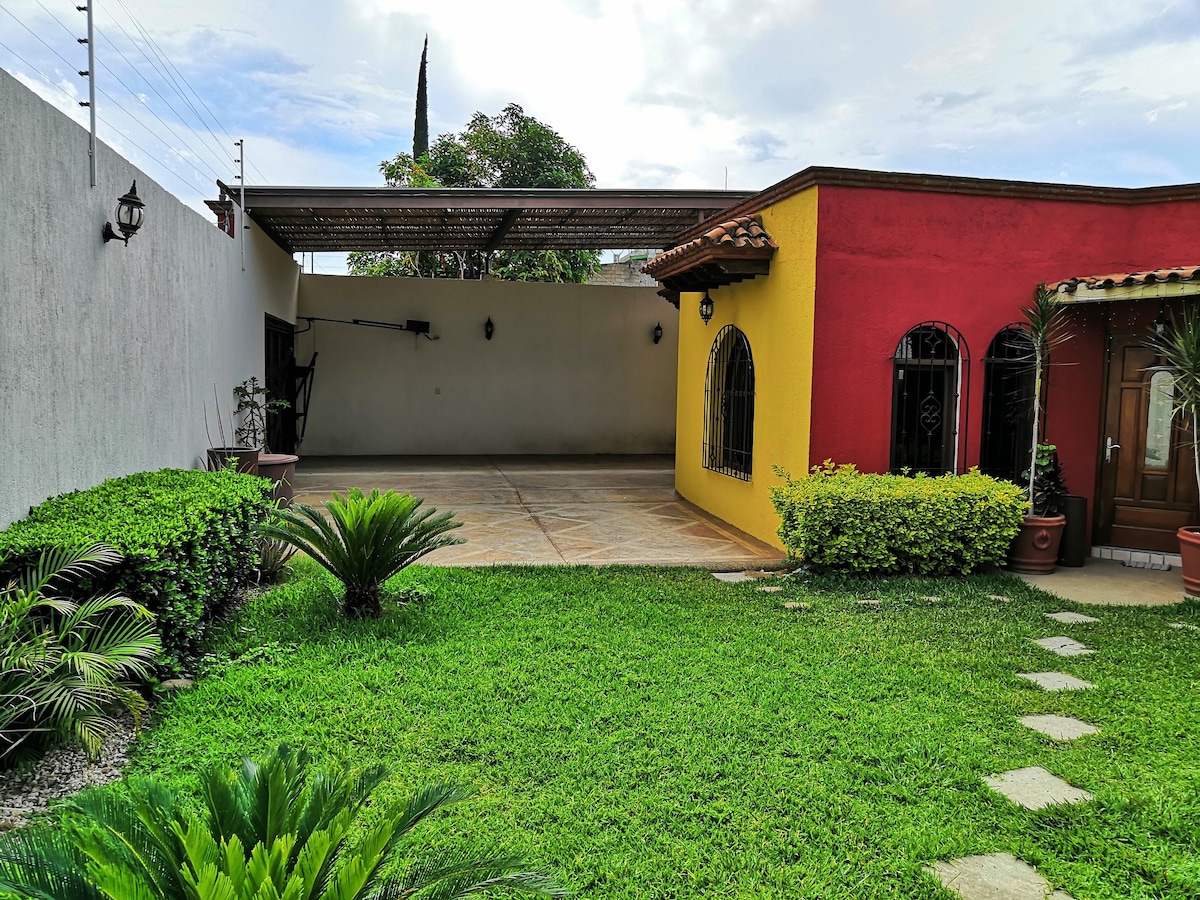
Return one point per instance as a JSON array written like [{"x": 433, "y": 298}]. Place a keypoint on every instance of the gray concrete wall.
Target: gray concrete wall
[
  {"x": 570, "y": 369},
  {"x": 108, "y": 353}
]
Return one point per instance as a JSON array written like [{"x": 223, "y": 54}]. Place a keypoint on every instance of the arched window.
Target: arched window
[
  {"x": 1008, "y": 383},
  {"x": 729, "y": 405},
  {"x": 930, "y": 384}
]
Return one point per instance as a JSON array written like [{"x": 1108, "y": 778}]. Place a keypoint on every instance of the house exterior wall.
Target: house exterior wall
[
  {"x": 776, "y": 314},
  {"x": 570, "y": 368},
  {"x": 109, "y": 353},
  {"x": 888, "y": 260}
]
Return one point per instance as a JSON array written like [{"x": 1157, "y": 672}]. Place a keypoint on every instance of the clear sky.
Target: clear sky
[{"x": 661, "y": 93}]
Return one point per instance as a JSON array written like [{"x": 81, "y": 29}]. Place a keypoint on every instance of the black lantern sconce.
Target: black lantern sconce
[
  {"x": 657, "y": 333},
  {"x": 129, "y": 217},
  {"x": 706, "y": 308},
  {"x": 488, "y": 328}
]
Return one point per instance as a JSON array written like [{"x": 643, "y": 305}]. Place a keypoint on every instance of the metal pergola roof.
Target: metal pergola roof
[{"x": 323, "y": 219}]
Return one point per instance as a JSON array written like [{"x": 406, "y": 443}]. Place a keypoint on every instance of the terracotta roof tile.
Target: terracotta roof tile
[
  {"x": 739, "y": 233},
  {"x": 1127, "y": 279}
]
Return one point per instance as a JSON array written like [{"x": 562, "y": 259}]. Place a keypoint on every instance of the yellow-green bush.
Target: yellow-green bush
[{"x": 839, "y": 518}]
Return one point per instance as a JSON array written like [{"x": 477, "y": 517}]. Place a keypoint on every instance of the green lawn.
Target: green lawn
[{"x": 653, "y": 733}]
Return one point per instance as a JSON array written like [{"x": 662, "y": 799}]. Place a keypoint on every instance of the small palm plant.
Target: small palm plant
[
  {"x": 67, "y": 664},
  {"x": 268, "y": 829},
  {"x": 365, "y": 540},
  {"x": 1044, "y": 320},
  {"x": 1178, "y": 348}
]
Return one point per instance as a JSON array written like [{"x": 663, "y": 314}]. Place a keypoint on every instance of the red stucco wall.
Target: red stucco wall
[{"x": 888, "y": 260}]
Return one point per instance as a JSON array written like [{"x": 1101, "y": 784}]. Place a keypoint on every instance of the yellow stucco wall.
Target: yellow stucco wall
[{"x": 776, "y": 314}]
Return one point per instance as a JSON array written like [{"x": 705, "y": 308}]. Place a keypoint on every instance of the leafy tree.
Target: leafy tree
[
  {"x": 509, "y": 150},
  {"x": 267, "y": 830},
  {"x": 421, "y": 125}
]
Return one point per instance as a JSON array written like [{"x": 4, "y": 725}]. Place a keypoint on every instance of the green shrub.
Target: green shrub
[
  {"x": 269, "y": 829},
  {"x": 66, "y": 665},
  {"x": 187, "y": 537},
  {"x": 839, "y": 518},
  {"x": 370, "y": 539}
]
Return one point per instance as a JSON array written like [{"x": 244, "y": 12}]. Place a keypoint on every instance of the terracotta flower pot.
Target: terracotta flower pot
[
  {"x": 280, "y": 469},
  {"x": 1034, "y": 551},
  {"x": 247, "y": 460},
  {"x": 1189, "y": 549}
]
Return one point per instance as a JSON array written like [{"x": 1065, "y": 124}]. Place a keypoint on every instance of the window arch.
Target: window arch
[
  {"x": 729, "y": 405},
  {"x": 931, "y": 380},
  {"x": 1008, "y": 384}
]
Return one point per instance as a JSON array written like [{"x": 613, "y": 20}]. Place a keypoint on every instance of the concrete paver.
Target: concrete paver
[
  {"x": 592, "y": 510},
  {"x": 1060, "y": 728},
  {"x": 994, "y": 876},
  {"x": 1056, "y": 681},
  {"x": 1035, "y": 788},
  {"x": 1063, "y": 646},
  {"x": 1071, "y": 618}
]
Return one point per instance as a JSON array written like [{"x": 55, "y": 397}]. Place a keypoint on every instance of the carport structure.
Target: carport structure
[{"x": 604, "y": 508}]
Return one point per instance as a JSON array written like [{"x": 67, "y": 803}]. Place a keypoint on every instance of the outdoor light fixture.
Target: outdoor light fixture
[
  {"x": 129, "y": 217},
  {"x": 657, "y": 332},
  {"x": 706, "y": 308},
  {"x": 488, "y": 328}
]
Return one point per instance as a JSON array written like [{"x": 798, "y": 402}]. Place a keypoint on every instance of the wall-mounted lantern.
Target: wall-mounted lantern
[
  {"x": 657, "y": 333},
  {"x": 488, "y": 328},
  {"x": 706, "y": 308},
  {"x": 129, "y": 217}
]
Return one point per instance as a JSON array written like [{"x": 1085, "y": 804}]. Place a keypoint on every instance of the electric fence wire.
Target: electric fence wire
[
  {"x": 58, "y": 87},
  {"x": 140, "y": 98},
  {"x": 167, "y": 144},
  {"x": 158, "y": 51}
]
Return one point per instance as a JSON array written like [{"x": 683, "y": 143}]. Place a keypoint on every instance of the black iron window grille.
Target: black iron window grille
[
  {"x": 729, "y": 405},
  {"x": 931, "y": 385},
  {"x": 1008, "y": 384}
]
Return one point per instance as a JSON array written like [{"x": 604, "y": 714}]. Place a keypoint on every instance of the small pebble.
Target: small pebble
[
  {"x": 770, "y": 588},
  {"x": 1000, "y": 597},
  {"x": 932, "y": 599},
  {"x": 867, "y": 601},
  {"x": 795, "y": 604}
]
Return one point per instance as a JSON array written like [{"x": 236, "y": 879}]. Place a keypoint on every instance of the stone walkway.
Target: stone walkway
[{"x": 593, "y": 510}]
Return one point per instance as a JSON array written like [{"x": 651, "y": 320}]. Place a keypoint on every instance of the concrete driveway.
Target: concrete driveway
[{"x": 591, "y": 510}]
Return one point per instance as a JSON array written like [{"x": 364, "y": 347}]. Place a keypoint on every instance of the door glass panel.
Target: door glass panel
[{"x": 1158, "y": 421}]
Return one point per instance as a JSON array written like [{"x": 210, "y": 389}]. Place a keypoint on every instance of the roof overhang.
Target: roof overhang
[
  {"x": 1157, "y": 284},
  {"x": 726, "y": 253},
  {"x": 338, "y": 219}
]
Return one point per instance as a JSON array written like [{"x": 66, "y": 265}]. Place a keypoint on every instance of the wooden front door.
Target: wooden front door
[{"x": 1147, "y": 483}]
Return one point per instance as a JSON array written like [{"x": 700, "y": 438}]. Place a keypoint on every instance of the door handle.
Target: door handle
[{"x": 1109, "y": 447}]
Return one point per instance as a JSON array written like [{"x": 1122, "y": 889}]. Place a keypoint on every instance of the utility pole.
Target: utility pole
[
  {"x": 241, "y": 177},
  {"x": 90, "y": 40}
]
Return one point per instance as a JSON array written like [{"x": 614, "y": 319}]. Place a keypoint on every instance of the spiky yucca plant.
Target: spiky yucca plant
[
  {"x": 67, "y": 664},
  {"x": 365, "y": 540},
  {"x": 1044, "y": 321},
  {"x": 268, "y": 829}
]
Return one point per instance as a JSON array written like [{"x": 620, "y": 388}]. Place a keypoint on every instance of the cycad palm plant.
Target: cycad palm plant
[
  {"x": 365, "y": 540},
  {"x": 1044, "y": 320},
  {"x": 268, "y": 830},
  {"x": 1178, "y": 348},
  {"x": 66, "y": 664}
]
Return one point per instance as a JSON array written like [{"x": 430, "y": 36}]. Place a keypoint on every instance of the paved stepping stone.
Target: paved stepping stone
[
  {"x": 770, "y": 588},
  {"x": 932, "y": 599},
  {"x": 1060, "y": 728},
  {"x": 996, "y": 876},
  {"x": 1184, "y": 625},
  {"x": 867, "y": 601},
  {"x": 731, "y": 577},
  {"x": 1056, "y": 681},
  {"x": 1035, "y": 788},
  {"x": 1063, "y": 646},
  {"x": 1071, "y": 618},
  {"x": 795, "y": 604},
  {"x": 1000, "y": 597}
]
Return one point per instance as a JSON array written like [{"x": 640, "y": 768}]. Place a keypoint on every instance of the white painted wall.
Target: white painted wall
[
  {"x": 109, "y": 352},
  {"x": 571, "y": 368}
]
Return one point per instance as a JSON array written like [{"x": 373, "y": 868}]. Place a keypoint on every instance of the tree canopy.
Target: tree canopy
[{"x": 508, "y": 150}]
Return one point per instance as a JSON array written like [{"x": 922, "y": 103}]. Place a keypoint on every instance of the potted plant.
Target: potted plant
[
  {"x": 253, "y": 407},
  {"x": 1178, "y": 349},
  {"x": 224, "y": 454},
  {"x": 1035, "y": 549}
]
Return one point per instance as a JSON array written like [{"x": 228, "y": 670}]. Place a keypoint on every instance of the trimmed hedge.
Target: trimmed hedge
[
  {"x": 188, "y": 538},
  {"x": 839, "y": 518}
]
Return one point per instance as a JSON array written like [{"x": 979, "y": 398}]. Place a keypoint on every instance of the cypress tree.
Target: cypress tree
[{"x": 421, "y": 126}]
